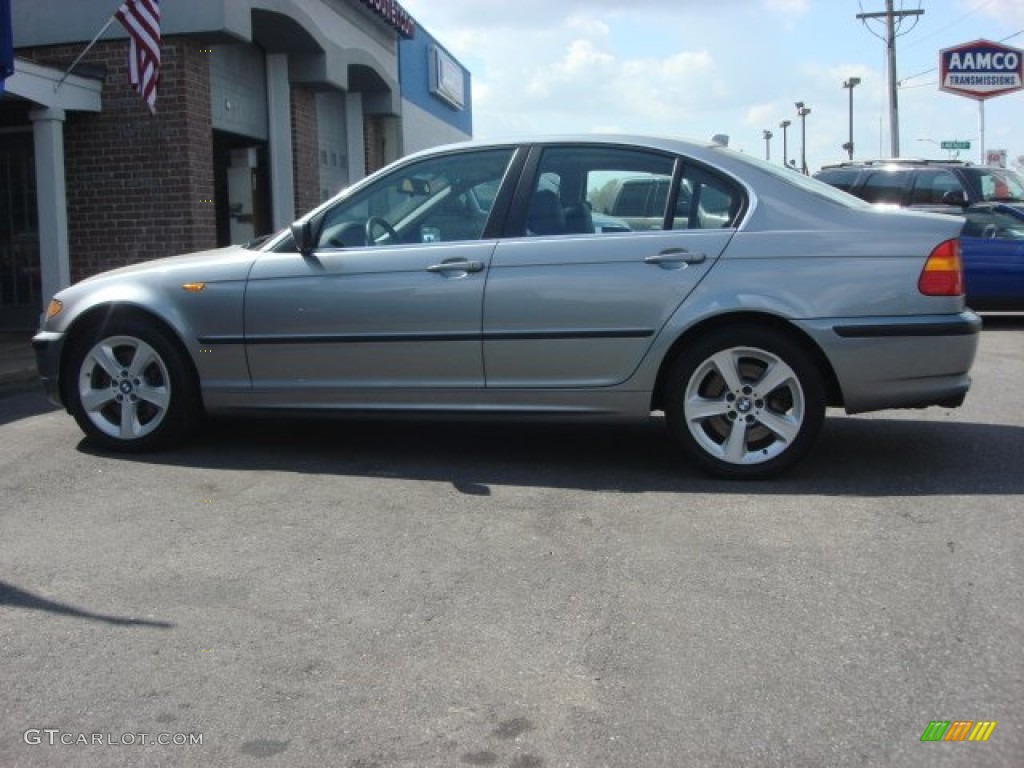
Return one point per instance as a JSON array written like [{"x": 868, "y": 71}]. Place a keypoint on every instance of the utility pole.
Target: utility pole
[{"x": 891, "y": 16}]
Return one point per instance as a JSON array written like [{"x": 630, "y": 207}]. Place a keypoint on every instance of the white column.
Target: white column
[
  {"x": 981, "y": 131},
  {"x": 51, "y": 197},
  {"x": 279, "y": 110}
]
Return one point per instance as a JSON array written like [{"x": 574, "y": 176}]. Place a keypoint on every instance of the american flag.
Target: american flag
[{"x": 142, "y": 20}]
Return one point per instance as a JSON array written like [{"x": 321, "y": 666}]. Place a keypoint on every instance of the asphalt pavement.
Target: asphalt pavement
[{"x": 386, "y": 594}]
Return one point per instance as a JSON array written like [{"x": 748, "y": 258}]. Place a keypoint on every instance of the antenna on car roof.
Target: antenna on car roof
[{"x": 722, "y": 139}]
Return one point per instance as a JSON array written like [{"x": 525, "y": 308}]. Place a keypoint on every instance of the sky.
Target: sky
[{"x": 737, "y": 67}]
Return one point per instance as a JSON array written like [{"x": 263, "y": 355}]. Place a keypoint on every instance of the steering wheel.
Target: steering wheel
[{"x": 377, "y": 221}]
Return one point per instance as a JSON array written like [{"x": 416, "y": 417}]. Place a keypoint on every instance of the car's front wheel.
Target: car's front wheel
[
  {"x": 745, "y": 402},
  {"x": 132, "y": 389}
]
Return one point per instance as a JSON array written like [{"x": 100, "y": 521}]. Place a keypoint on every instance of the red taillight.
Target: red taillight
[{"x": 943, "y": 273}]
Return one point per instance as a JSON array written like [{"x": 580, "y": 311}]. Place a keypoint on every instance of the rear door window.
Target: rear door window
[
  {"x": 706, "y": 201},
  {"x": 598, "y": 190},
  {"x": 930, "y": 186}
]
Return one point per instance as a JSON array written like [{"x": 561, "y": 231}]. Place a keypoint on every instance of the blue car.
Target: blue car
[{"x": 992, "y": 248}]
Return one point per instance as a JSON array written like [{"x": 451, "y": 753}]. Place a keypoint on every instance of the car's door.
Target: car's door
[
  {"x": 391, "y": 297},
  {"x": 572, "y": 304}
]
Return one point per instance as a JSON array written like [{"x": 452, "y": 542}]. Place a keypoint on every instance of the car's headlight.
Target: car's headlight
[{"x": 53, "y": 309}]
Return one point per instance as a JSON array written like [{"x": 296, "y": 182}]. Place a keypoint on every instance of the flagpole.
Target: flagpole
[{"x": 82, "y": 54}]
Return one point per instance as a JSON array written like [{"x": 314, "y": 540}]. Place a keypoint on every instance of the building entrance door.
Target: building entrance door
[
  {"x": 20, "y": 284},
  {"x": 242, "y": 188}
]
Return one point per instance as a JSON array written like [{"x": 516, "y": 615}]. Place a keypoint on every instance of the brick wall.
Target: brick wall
[
  {"x": 139, "y": 186},
  {"x": 305, "y": 152}
]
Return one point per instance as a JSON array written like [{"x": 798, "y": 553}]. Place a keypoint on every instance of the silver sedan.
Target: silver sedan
[{"x": 575, "y": 277}]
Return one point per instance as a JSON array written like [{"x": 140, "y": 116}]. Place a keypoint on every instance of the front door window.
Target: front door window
[{"x": 438, "y": 200}]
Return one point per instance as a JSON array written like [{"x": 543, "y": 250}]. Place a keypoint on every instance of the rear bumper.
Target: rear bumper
[
  {"x": 900, "y": 362},
  {"x": 48, "y": 347}
]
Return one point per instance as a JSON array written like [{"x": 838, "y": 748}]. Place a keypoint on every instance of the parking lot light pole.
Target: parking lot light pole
[
  {"x": 852, "y": 83},
  {"x": 785, "y": 148},
  {"x": 768, "y": 145},
  {"x": 803, "y": 111}
]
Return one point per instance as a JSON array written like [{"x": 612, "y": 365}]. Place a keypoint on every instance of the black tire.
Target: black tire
[
  {"x": 130, "y": 388},
  {"x": 745, "y": 403}
]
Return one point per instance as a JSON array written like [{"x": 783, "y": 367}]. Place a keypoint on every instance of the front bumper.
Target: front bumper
[{"x": 48, "y": 347}]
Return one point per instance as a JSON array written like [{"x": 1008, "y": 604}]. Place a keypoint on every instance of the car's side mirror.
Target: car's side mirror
[
  {"x": 955, "y": 197},
  {"x": 302, "y": 234}
]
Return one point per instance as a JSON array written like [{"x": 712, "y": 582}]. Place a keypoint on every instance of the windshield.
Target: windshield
[{"x": 997, "y": 183}]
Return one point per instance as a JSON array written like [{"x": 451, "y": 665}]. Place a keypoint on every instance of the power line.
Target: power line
[{"x": 954, "y": 23}]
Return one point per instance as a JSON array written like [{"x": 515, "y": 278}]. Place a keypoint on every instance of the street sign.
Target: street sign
[
  {"x": 981, "y": 70},
  {"x": 955, "y": 144}
]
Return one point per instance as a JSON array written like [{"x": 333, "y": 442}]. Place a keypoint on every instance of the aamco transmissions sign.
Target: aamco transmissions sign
[{"x": 981, "y": 70}]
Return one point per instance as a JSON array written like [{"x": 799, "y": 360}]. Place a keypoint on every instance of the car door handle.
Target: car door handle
[
  {"x": 675, "y": 256},
  {"x": 457, "y": 265}
]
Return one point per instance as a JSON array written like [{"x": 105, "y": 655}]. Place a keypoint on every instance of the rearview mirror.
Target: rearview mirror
[{"x": 416, "y": 187}]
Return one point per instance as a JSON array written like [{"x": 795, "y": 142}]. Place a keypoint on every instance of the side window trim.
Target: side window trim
[{"x": 527, "y": 165}]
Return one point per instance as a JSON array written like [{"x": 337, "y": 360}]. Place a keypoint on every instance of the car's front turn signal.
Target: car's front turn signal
[
  {"x": 54, "y": 308},
  {"x": 943, "y": 273}
]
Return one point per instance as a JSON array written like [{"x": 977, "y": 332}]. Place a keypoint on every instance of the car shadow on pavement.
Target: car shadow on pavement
[
  {"x": 852, "y": 457},
  {"x": 1002, "y": 321},
  {"x": 21, "y": 400},
  {"x": 15, "y": 597}
]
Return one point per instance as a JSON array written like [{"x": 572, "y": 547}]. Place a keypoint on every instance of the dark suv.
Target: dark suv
[
  {"x": 990, "y": 199},
  {"x": 927, "y": 184}
]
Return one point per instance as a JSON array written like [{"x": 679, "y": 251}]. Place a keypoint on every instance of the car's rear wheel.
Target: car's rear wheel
[
  {"x": 132, "y": 389},
  {"x": 745, "y": 402}
]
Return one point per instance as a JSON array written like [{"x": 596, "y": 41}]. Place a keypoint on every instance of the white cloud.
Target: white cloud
[
  {"x": 788, "y": 6},
  {"x": 539, "y": 13},
  {"x": 763, "y": 115},
  {"x": 571, "y": 74},
  {"x": 682, "y": 67},
  {"x": 588, "y": 26}
]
